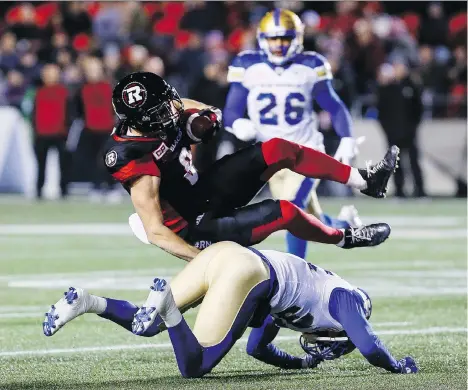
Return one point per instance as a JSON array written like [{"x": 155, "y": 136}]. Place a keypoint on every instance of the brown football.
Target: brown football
[{"x": 200, "y": 125}]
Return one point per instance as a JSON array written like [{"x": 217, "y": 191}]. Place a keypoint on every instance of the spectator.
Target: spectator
[
  {"x": 75, "y": 19},
  {"x": 400, "y": 120},
  {"x": 365, "y": 53},
  {"x": 30, "y": 68},
  {"x": 434, "y": 29},
  {"x": 137, "y": 23},
  {"x": 154, "y": 65},
  {"x": 15, "y": 88},
  {"x": 8, "y": 56},
  {"x": 137, "y": 57},
  {"x": 50, "y": 122},
  {"x": 457, "y": 71},
  {"x": 94, "y": 103},
  {"x": 26, "y": 28},
  {"x": 107, "y": 24}
]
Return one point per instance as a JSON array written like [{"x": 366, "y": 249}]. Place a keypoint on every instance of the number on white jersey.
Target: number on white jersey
[{"x": 293, "y": 109}]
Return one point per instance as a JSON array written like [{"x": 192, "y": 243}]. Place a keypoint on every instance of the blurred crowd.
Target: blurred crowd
[
  {"x": 67, "y": 56},
  {"x": 192, "y": 44}
]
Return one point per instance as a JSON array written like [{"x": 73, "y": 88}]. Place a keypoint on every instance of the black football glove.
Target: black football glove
[{"x": 215, "y": 115}]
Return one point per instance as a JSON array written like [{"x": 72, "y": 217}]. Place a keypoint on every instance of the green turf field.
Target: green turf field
[{"x": 417, "y": 280}]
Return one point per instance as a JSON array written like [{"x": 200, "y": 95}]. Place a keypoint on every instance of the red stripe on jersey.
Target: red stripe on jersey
[
  {"x": 137, "y": 168},
  {"x": 136, "y": 138},
  {"x": 171, "y": 218}
]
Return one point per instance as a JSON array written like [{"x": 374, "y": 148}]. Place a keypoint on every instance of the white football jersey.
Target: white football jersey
[
  {"x": 280, "y": 102},
  {"x": 304, "y": 290}
]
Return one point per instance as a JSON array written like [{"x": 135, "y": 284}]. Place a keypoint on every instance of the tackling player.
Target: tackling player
[
  {"x": 243, "y": 287},
  {"x": 182, "y": 209},
  {"x": 277, "y": 86}
]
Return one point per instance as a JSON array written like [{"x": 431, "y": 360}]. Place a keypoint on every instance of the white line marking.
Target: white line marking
[{"x": 42, "y": 352}]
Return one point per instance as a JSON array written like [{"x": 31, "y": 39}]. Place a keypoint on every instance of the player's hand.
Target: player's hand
[
  {"x": 215, "y": 115},
  {"x": 408, "y": 365},
  {"x": 346, "y": 151},
  {"x": 309, "y": 361},
  {"x": 244, "y": 129}
]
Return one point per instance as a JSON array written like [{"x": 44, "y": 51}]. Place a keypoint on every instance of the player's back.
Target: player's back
[
  {"x": 279, "y": 101},
  {"x": 301, "y": 302}
]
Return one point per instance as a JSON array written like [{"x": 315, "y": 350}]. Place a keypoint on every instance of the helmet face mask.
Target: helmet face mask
[
  {"x": 285, "y": 25},
  {"x": 148, "y": 104}
]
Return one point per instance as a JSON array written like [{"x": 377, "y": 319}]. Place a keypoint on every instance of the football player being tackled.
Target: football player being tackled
[
  {"x": 242, "y": 287},
  {"x": 180, "y": 209}
]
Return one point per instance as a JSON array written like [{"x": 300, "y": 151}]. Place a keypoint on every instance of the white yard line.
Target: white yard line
[{"x": 42, "y": 352}]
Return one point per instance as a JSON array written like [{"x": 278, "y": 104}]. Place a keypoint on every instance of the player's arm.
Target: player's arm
[
  {"x": 145, "y": 197},
  {"x": 347, "y": 311},
  {"x": 260, "y": 347},
  {"x": 236, "y": 103},
  {"x": 328, "y": 100}
]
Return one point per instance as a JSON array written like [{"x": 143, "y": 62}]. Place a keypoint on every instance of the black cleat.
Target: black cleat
[
  {"x": 378, "y": 175},
  {"x": 370, "y": 235}
]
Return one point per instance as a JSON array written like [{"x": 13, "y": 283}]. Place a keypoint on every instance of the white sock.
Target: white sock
[
  {"x": 356, "y": 180},
  {"x": 97, "y": 304},
  {"x": 342, "y": 241},
  {"x": 172, "y": 316}
]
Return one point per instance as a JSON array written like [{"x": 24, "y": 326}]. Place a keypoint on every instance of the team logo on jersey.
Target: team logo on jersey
[
  {"x": 159, "y": 152},
  {"x": 111, "y": 158},
  {"x": 134, "y": 94}
]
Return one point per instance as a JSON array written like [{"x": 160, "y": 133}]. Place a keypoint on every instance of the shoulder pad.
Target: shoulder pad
[
  {"x": 317, "y": 62},
  {"x": 241, "y": 62}
]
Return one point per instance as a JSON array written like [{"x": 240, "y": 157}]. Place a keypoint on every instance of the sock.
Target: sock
[
  {"x": 356, "y": 180},
  {"x": 279, "y": 153},
  {"x": 97, "y": 304},
  {"x": 122, "y": 312},
  {"x": 172, "y": 316},
  {"x": 342, "y": 241}
]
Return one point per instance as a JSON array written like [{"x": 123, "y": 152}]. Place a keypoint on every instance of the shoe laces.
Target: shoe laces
[
  {"x": 361, "y": 234},
  {"x": 372, "y": 169}
]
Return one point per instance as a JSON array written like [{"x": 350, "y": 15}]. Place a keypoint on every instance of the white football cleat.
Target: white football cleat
[
  {"x": 160, "y": 301},
  {"x": 350, "y": 214},
  {"x": 75, "y": 302}
]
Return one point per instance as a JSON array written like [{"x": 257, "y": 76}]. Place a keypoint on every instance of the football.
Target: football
[{"x": 199, "y": 125}]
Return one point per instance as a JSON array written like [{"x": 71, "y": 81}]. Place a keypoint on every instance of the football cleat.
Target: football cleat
[
  {"x": 74, "y": 303},
  {"x": 408, "y": 365},
  {"x": 378, "y": 175},
  {"x": 351, "y": 216},
  {"x": 370, "y": 235},
  {"x": 159, "y": 301}
]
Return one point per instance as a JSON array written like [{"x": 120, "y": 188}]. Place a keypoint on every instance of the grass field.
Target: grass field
[{"x": 417, "y": 280}]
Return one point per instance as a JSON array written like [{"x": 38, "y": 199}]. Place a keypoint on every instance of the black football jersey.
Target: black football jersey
[{"x": 128, "y": 157}]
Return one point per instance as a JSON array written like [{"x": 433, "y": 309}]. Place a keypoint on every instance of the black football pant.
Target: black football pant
[
  {"x": 41, "y": 147},
  {"x": 229, "y": 185}
]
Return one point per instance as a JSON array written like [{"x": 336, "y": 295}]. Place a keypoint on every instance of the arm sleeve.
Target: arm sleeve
[
  {"x": 346, "y": 309},
  {"x": 328, "y": 100},
  {"x": 259, "y": 346},
  {"x": 236, "y": 103}
]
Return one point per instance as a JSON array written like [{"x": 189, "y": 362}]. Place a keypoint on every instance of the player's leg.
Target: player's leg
[
  {"x": 77, "y": 302},
  {"x": 280, "y": 154},
  {"x": 289, "y": 185},
  {"x": 237, "y": 282},
  {"x": 251, "y": 224},
  {"x": 40, "y": 149}
]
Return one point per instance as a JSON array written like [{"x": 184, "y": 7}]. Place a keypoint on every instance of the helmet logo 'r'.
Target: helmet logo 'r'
[{"x": 134, "y": 94}]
